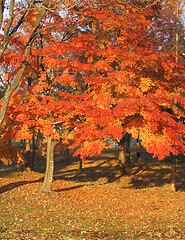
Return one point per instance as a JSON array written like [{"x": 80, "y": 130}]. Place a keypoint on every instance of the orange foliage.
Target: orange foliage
[
  {"x": 10, "y": 154},
  {"x": 103, "y": 79}
]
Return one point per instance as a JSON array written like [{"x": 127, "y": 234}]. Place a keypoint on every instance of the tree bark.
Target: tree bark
[
  {"x": 2, "y": 2},
  {"x": 137, "y": 149},
  {"x": 173, "y": 174},
  {"x": 33, "y": 154},
  {"x": 28, "y": 156},
  {"x": 48, "y": 178},
  {"x": 176, "y": 32},
  {"x": 80, "y": 165},
  {"x": 122, "y": 159},
  {"x": 66, "y": 154},
  {"x": 127, "y": 147}
]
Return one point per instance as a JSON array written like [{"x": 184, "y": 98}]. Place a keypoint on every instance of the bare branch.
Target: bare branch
[
  {"x": 137, "y": 4},
  {"x": 22, "y": 19},
  {"x": 59, "y": 122},
  {"x": 2, "y": 2}
]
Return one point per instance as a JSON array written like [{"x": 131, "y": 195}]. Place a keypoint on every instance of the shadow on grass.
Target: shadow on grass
[
  {"x": 11, "y": 186},
  {"x": 141, "y": 174},
  {"x": 145, "y": 173},
  {"x": 94, "y": 169},
  {"x": 102, "y": 170},
  {"x": 68, "y": 189},
  {"x": 14, "y": 185},
  {"x": 158, "y": 174}
]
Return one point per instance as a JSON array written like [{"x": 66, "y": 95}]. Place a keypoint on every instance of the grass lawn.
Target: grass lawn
[{"x": 97, "y": 203}]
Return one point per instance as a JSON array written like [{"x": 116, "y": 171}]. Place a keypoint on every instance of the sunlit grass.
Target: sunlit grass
[{"x": 97, "y": 203}]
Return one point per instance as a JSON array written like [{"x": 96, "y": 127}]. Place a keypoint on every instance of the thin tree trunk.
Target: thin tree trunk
[
  {"x": 28, "y": 156},
  {"x": 127, "y": 147},
  {"x": 173, "y": 174},
  {"x": 80, "y": 165},
  {"x": 177, "y": 34},
  {"x": 33, "y": 154},
  {"x": 48, "y": 179},
  {"x": 2, "y": 2},
  {"x": 122, "y": 155},
  {"x": 66, "y": 154},
  {"x": 137, "y": 149}
]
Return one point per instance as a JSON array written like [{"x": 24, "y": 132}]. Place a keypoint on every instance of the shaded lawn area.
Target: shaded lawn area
[{"x": 98, "y": 203}]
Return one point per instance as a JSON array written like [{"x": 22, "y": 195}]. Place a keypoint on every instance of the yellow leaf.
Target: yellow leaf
[{"x": 145, "y": 84}]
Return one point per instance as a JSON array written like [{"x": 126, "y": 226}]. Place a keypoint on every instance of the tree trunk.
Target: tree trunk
[
  {"x": 173, "y": 173},
  {"x": 66, "y": 154},
  {"x": 2, "y": 2},
  {"x": 127, "y": 147},
  {"x": 137, "y": 149},
  {"x": 33, "y": 154},
  {"x": 27, "y": 156},
  {"x": 122, "y": 155},
  {"x": 80, "y": 165},
  {"x": 48, "y": 179}
]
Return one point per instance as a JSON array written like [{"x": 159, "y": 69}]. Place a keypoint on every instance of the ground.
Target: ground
[{"x": 97, "y": 203}]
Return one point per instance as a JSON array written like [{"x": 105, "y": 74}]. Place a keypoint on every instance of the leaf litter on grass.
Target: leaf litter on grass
[{"x": 79, "y": 209}]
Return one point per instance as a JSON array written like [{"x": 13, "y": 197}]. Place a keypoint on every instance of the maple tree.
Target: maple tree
[
  {"x": 16, "y": 44},
  {"x": 27, "y": 22},
  {"x": 137, "y": 89},
  {"x": 135, "y": 93},
  {"x": 24, "y": 118}
]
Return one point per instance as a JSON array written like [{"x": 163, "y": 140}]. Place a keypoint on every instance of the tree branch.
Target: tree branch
[
  {"x": 2, "y": 2},
  {"x": 21, "y": 20},
  {"x": 15, "y": 84},
  {"x": 7, "y": 36}
]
